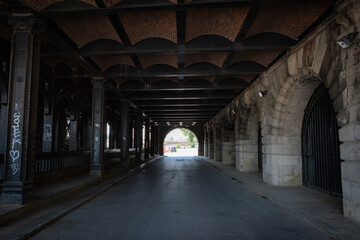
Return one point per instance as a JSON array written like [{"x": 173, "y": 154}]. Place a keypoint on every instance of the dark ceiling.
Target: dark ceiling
[{"x": 178, "y": 61}]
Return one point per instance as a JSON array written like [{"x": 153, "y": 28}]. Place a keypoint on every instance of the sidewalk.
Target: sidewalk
[
  {"x": 57, "y": 200},
  {"x": 319, "y": 209}
]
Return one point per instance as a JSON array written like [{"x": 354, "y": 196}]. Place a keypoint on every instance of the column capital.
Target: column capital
[
  {"x": 98, "y": 82},
  {"x": 23, "y": 22}
]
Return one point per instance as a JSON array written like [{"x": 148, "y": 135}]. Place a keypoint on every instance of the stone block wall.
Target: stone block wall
[
  {"x": 228, "y": 153},
  {"x": 290, "y": 83},
  {"x": 246, "y": 155},
  {"x": 217, "y": 144}
]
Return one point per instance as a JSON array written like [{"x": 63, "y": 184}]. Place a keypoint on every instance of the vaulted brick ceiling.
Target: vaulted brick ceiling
[{"x": 169, "y": 52}]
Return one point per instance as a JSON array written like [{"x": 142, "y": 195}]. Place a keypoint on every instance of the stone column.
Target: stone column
[
  {"x": 208, "y": 141},
  {"x": 98, "y": 127},
  {"x": 152, "y": 145},
  {"x": 206, "y": 147},
  {"x": 147, "y": 137},
  {"x": 125, "y": 129},
  {"x": 201, "y": 145},
  {"x": 22, "y": 111},
  {"x": 217, "y": 144},
  {"x": 138, "y": 134},
  {"x": 211, "y": 143},
  {"x": 228, "y": 147},
  {"x": 349, "y": 117}
]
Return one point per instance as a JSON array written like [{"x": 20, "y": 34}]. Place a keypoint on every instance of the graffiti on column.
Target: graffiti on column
[
  {"x": 96, "y": 143},
  {"x": 47, "y": 132},
  {"x": 15, "y": 140}
]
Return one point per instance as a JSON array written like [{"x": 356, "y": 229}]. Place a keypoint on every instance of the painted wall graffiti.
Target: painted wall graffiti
[{"x": 15, "y": 141}]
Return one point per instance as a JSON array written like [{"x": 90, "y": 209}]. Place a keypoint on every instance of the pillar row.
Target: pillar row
[
  {"x": 98, "y": 127},
  {"x": 125, "y": 132},
  {"x": 22, "y": 111}
]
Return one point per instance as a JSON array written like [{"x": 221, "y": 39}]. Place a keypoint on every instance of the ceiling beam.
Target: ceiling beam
[
  {"x": 153, "y": 6},
  {"x": 207, "y": 113},
  {"x": 185, "y": 88},
  {"x": 182, "y": 97},
  {"x": 179, "y": 49},
  {"x": 175, "y": 73},
  {"x": 181, "y": 109}
]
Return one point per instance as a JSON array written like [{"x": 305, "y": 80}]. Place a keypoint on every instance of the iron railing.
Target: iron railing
[
  {"x": 2, "y": 167},
  {"x": 47, "y": 162},
  {"x": 320, "y": 145}
]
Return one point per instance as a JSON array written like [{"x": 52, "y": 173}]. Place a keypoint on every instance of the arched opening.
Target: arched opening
[
  {"x": 181, "y": 142},
  {"x": 107, "y": 135},
  {"x": 320, "y": 144}
]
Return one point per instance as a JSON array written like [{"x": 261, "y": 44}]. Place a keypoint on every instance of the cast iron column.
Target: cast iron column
[
  {"x": 147, "y": 137},
  {"x": 98, "y": 126},
  {"x": 138, "y": 135},
  {"x": 118, "y": 131},
  {"x": 48, "y": 122},
  {"x": 152, "y": 149},
  {"x": 156, "y": 139},
  {"x": 112, "y": 135},
  {"x": 22, "y": 112},
  {"x": 124, "y": 140}
]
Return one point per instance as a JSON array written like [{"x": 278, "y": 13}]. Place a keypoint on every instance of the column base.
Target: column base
[
  {"x": 16, "y": 193},
  {"x": 96, "y": 170},
  {"x": 125, "y": 162}
]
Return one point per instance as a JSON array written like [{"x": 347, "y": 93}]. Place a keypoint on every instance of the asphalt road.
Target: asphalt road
[{"x": 180, "y": 198}]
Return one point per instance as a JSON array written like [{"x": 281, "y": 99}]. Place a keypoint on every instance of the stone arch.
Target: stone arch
[
  {"x": 289, "y": 93},
  {"x": 197, "y": 129}
]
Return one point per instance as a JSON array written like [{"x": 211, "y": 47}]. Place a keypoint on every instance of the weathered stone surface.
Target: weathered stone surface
[
  {"x": 290, "y": 85},
  {"x": 228, "y": 153},
  {"x": 351, "y": 209}
]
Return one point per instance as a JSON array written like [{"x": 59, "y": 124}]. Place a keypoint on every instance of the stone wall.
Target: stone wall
[
  {"x": 217, "y": 144},
  {"x": 290, "y": 83}
]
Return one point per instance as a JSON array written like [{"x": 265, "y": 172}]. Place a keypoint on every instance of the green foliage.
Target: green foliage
[
  {"x": 191, "y": 137},
  {"x": 178, "y": 146}
]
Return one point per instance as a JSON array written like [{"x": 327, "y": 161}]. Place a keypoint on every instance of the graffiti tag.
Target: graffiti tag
[{"x": 15, "y": 142}]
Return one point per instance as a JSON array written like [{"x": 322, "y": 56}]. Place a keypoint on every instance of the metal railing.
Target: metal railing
[
  {"x": 2, "y": 167},
  {"x": 47, "y": 162},
  {"x": 112, "y": 153}
]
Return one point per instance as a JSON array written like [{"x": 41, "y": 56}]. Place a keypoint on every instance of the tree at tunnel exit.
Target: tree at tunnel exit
[{"x": 191, "y": 137}]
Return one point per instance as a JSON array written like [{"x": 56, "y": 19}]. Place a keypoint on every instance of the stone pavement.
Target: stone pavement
[{"x": 318, "y": 209}]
